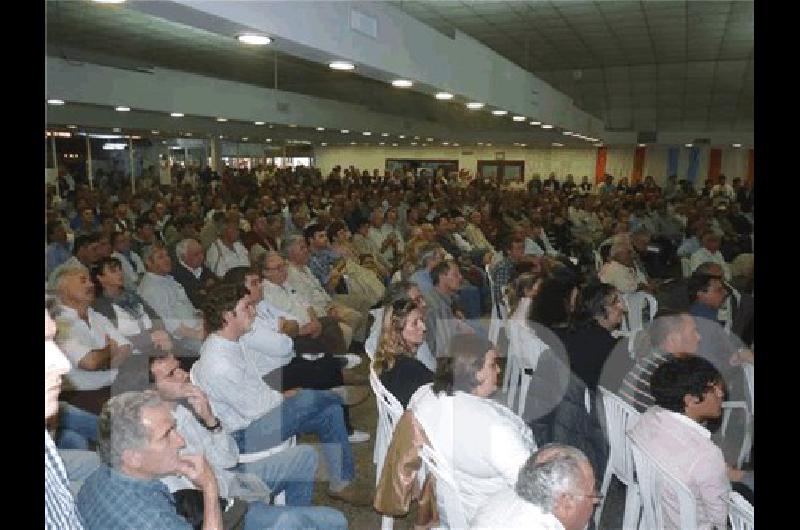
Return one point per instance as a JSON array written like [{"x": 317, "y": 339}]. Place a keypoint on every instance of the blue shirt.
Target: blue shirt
[
  {"x": 55, "y": 255},
  {"x": 423, "y": 280},
  {"x": 700, "y": 310},
  {"x": 60, "y": 512},
  {"x": 320, "y": 263},
  {"x": 110, "y": 500}
]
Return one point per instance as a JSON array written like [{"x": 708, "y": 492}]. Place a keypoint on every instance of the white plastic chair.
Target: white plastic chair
[
  {"x": 499, "y": 317},
  {"x": 598, "y": 260},
  {"x": 389, "y": 412},
  {"x": 654, "y": 481},
  {"x": 634, "y": 306},
  {"x": 620, "y": 417},
  {"x": 748, "y": 407},
  {"x": 725, "y": 313},
  {"x": 740, "y": 512},
  {"x": 447, "y": 497},
  {"x": 524, "y": 350},
  {"x": 686, "y": 268}
]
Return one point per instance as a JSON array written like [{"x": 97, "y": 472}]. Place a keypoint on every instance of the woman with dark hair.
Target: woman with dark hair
[
  {"x": 126, "y": 310},
  {"x": 484, "y": 443},
  {"x": 556, "y": 406},
  {"x": 402, "y": 332}
]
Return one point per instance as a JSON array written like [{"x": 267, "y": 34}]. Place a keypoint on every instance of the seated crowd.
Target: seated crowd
[{"x": 201, "y": 328}]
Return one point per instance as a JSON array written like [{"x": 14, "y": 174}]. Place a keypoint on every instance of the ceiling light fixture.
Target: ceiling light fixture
[
  {"x": 488, "y": 144},
  {"x": 475, "y": 105},
  {"x": 176, "y": 114},
  {"x": 75, "y": 127},
  {"x": 534, "y": 122},
  {"x": 345, "y": 131},
  {"x": 381, "y": 143},
  {"x": 428, "y": 139},
  {"x": 258, "y": 123},
  {"x": 737, "y": 146},
  {"x": 570, "y": 133},
  {"x": 245, "y": 139},
  {"x": 455, "y": 145},
  {"x": 254, "y": 39},
  {"x": 108, "y": 1},
  {"x": 402, "y": 136},
  {"x": 546, "y": 126},
  {"x": 367, "y": 133},
  {"x": 480, "y": 143},
  {"x": 499, "y": 112},
  {"x": 599, "y": 144},
  {"x": 384, "y": 134},
  {"x": 154, "y": 132},
  {"x": 689, "y": 145},
  {"x": 642, "y": 145},
  {"x": 416, "y": 138},
  {"x": 116, "y": 129},
  {"x": 352, "y": 143},
  {"x": 444, "y": 96},
  {"x": 556, "y": 144},
  {"x": 519, "y": 118},
  {"x": 394, "y": 145},
  {"x": 413, "y": 143},
  {"x": 402, "y": 83},
  {"x": 445, "y": 143},
  {"x": 222, "y": 119},
  {"x": 320, "y": 128},
  {"x": 341, "y": 65},
  {"x": 292, "y": 125},
  {"x": 55, "y": 101},
  {"x": 121, "y": 108},
  {"x": 323, "y": 144},
  {"x": 268, "y": 140}
]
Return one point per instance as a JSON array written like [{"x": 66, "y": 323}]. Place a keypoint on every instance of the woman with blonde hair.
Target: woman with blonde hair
[{"x": 395, "y": 364}]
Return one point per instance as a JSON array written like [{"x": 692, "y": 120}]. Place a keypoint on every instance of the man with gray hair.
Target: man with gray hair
[
  {"x": 138, "y": 444},
  {"x": 190, "y": 272},
  {"x": 555, "y": 491},
  {"x": 430, "y": 255}
]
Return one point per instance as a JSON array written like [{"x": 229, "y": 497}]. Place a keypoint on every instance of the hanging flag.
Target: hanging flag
[
  {"x": 672, "y": 161},
  {"x": 714, "y": 165},
  {"x": 600, "y": 167},
  {"x": 638, "y": 165},
  {"x": 694, "y": 164}
]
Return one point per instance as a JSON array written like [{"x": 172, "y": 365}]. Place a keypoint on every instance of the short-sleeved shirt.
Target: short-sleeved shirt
[{"x": 110, "y": 500}]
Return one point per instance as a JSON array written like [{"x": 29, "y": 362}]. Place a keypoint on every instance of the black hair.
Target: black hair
[
  {"x": 458, "y": 368},
  {"x": 334, "y": 228},
  {"x": 678, "y": 377},
  {"x": 84, "y": 240},
  {"x": 51, "y": 228},
  {"x": 593, "y": 302},
  {"x": 311, "y": 230},
  {"x": 551, "y": 305},
  {"x": 699, "y": 281},
  {"x": 441, "y": 269},
  {"x": 221, "y": 298}
]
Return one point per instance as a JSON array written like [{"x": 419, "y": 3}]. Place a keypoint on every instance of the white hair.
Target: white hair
[
  {"x": 554, "y": 470},
  {"x": 183, "y": 247},
  {"x": 68, "y": 270}
]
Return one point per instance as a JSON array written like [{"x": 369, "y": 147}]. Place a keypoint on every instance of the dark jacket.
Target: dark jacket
[{"x": 195, "y": 288}]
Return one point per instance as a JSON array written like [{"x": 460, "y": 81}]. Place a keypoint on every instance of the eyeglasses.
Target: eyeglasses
[{"x": 596, "y": 499}]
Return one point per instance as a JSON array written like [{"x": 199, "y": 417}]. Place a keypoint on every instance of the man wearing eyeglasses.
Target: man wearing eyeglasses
[{"x": 554, "y": 491}]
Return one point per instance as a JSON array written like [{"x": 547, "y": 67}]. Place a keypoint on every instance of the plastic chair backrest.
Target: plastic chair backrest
[
  {"x": 620, "y": 417},
  {"x": 686, "y": 267},
  {"x": 635, "y": 303},
  {"x": 451, "y": 510},
  {"x": 740, "y": 512},
  {"x": 598, "y": 260},
  {"x": 656, "y": 483},
  {"x": 499, "y": 310},
  {"x": 750, "y": 378},
  {"x": 389, "y": 412},
  {"x": 371, "y": 344},
  {"x": 727, "y": 310}
]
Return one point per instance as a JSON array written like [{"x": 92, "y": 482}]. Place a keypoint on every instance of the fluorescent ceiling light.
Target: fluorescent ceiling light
[
  {"x": 394, "y": 145},
  {"x": 259, "y": 123},
  {"x": 499, "y": 112},
  {"x": 445, "y": 143},
  {"x": 546, "y": 126},
  {"x": 187, "y": 134},
  {"x": 352, "y": 143},
  {"x": 367, "y": 133},
  {"x": 444, "y": 96},
  {"x": 55, "y": 101},
  {"x": 480, "y": 143},
  {"x": 244, "y": 139},
  {"x": 737, "y": 145},
  {"x": 222, "y": 119},
  {"x": 534, "y": 122},
  {"x": 75, "y": 127},
  {"x": 569, "y": 133},
  {"x": 475, "y": 105},
  {"x": 341, "y": 65},
  {"x": 402, "y": 83},
  {"x": 176, "y": 114},
  {"x": 599, "y": 144},
  {"x": 323, "y": 144},
  {"x": 642, "y": 145},
  {"x": 254, "y": 39},
  {"x": 384, "y": 134},
  {"x": 488, "y": 145},
  {"x": 122, "y": 109},
  {"x": 292, "y": 125},
  {"x": 116, "y": 129},
  {"x": 154, "y": 132},
  {"x": 455, "y": 145},
  {"x": 556, "y": 144},
  {"x": 268, "y": 140},
  {"x": 113, "y": 146},
  {"x": 428, "y": 139},
  {"x": 108, "y": 1},
  {"x": 689, "y": 145},
  {"x": 381, "y": 143},
  {"x": 519, "y": 118},
  {"x": 345, "y": 131},
  {"x": 402, "y": 136},
  {"x": 320, "y": 128},
  {"x": 523, "y": 145}
]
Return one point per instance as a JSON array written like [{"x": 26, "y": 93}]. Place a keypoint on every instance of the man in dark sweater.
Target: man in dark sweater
[{"x": 190, "y": 272}]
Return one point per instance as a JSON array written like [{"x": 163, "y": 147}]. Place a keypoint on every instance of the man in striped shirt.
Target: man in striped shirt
[
  {"x": 670, "y": 336},
  {"x": 59, "y": 506}
]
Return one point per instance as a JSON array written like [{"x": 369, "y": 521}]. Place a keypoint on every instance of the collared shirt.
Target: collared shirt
[
  {"x": 55, "y": 255},
  {"x": 422, "y": 277},
  {"x": 320, "y": 263},
  {"x": 702, "y": 255},
  {"x": 268, "y": 347},
  {"x": 77, "y": 337},
  {"x": 195, "y": 272},
  {"x": 60, "y": 512},
  {"x": 220, "y": 258},
  {"x": 285, "y": 298},
  {"x": 506, "y": 510},
  {"x": 230, "y": 378},
  {"x": 635, "y": 389},
  {"x": 689, "y": 246},
  {"x": 168, "y": 298},
  {"x": 111, "y": 500},
  {"x": 307, "y": 286},
  {"x": 222, "y": 453}
]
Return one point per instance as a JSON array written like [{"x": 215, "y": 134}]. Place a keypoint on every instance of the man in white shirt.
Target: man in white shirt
[
  {"x": 387, "y": 242},
  {"x": 722, "y": 190},
  {"x": 168, "y": 298},
  {"x": 257, "y": 416},
  {"x": 710, "y": 252},
  {"x": 554, "y": 491},
  {"x": 91, "y": 343},
  {"x": 317, "y": 334},
  {"x": 227, "y": 251},
  {"x": 307, "y": 287}
]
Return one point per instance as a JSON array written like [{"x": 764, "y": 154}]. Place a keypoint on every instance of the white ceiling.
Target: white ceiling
[{"x": 637, "y": 65}]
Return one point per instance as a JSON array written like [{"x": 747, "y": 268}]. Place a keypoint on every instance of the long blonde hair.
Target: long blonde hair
[{"x": 392, "y": 344}]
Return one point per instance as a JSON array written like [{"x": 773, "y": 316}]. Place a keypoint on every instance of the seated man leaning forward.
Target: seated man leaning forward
[
  {"x": 554, "y": 491},
  {"x": 257, "y": 416},
  {"x": 291, "y": 471}
]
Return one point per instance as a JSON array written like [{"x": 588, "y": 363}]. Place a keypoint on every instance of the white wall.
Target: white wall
[{"x": 579, "y": 162}]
